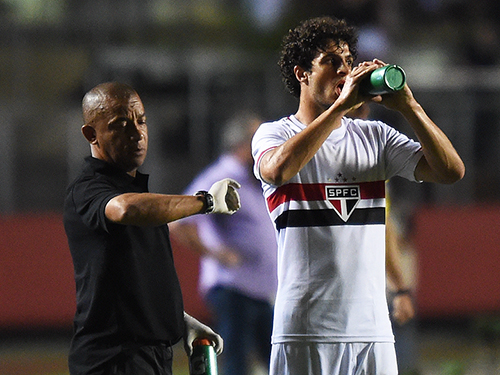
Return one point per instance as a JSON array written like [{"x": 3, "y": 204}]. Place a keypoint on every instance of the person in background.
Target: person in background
[
  {"x": 238, "y": 256},
  {"x": 400, "y": 288},
  {"x": 129, "y": 308},
  {"x": 323, "y": 176}
]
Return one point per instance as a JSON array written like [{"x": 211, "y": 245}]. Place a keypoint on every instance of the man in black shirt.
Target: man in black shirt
[{"x": 129, "y": 303}]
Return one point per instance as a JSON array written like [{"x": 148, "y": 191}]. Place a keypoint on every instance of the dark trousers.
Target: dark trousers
[
  {"x": 144, "y": 360},
  {"x": 245, "y": 324}
]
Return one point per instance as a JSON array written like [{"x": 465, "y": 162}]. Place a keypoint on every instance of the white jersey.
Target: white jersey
[{"x": 330, "y": 222}]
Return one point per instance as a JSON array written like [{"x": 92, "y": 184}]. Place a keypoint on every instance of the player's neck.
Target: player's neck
[{"x": 308, "y": 113}]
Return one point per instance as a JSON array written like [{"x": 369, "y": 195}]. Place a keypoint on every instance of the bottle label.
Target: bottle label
[
  {"x": 203, "y": 361},
  {"x": 198, "y": 366}
]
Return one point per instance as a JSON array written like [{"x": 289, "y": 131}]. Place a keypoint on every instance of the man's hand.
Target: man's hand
[
  {"x": 197, "y": 330},
  {"x": 227, "y": 257},
  {"x": 350, "y": 97},
  {"x": 226, "y": 198},
  {"x": 403, "y": 308}
]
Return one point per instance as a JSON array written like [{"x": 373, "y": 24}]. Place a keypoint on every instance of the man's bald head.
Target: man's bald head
[
  {"x": 115, "y": 125},
  {"x": 97, "y": 100}
]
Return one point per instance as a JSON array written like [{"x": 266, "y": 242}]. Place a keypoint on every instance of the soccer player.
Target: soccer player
[{"x": 323, "y": 176}]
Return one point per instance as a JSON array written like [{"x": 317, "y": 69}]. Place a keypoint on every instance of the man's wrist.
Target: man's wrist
[
  {"x": 208, "y": 200},
  {"x": 400, "y": 292}
]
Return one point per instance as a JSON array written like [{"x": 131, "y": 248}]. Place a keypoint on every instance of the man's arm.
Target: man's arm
[
  {"x": 186, "y": 233},
  {"x": 149, "y": 209},
  {"x": 403, "y": 309},
  {"x": 393, "y": 258},
  {"x": 280, "y": 164},
  {"x": 440, "y": 162}
]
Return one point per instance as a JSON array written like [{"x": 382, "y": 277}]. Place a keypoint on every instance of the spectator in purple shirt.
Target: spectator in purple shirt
[{"x": 238, "y": 263}]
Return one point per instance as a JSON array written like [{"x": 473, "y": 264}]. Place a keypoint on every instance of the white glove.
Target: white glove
[
  {"x": 194, "y": 329},
  {"x": 226, "y": 199}
]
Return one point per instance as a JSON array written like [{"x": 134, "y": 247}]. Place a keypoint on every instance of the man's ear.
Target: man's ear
[
  {"x": 89, "y": 133},
  {"x": 301, "y": 74}
]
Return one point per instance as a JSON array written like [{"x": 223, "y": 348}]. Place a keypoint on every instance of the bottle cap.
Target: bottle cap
[
  {"x": 197, "y": 342},
  {"x": 394, "y": 77}
]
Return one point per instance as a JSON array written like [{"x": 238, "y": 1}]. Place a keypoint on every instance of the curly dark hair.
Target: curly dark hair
[{"x": 302, "y": 44}]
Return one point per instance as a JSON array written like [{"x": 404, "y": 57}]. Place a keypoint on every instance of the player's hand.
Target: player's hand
[
  {"x": 400, "y": 100},
  {"x": 350, "y": 97},
  {"x": 194, "y": 329},
  {"x": 226, "y": 198}
]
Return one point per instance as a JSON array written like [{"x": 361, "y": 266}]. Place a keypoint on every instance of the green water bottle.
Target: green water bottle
[
  {"x": 203, "y": 361},
  {"x": 384, "y": 80}
]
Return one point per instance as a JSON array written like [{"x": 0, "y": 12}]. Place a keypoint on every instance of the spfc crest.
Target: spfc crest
[{"x": 344, "y": 199}]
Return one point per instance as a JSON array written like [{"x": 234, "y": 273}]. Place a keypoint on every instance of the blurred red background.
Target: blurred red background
[{"x": 458, "y": 252}]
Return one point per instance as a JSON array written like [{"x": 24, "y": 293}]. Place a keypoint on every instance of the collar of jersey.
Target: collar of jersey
[
  {"x": 121, "y": 177},
  {"x": 335, "y": 135}
]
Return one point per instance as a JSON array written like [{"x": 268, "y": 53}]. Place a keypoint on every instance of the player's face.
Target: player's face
[
  {"x": 328, "y": 74},
  {"x": 122, "y": 133}
]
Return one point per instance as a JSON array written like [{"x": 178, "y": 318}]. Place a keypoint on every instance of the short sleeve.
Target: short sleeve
[
  {"x": 402, "y": 154},
  {"x": 90, "y": 197},
  {"x": 268, "y": 136}
]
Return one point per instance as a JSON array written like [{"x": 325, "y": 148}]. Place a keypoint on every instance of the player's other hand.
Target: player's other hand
[
  {"x": 194, "y": 329},
  {"x": 226, "y": 197}
]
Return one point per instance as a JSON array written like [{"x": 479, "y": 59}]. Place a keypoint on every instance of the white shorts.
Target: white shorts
[{"x": 312, "y": 358}]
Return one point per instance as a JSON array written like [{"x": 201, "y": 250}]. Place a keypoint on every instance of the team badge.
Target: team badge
[{"x": 344, "y": 199}]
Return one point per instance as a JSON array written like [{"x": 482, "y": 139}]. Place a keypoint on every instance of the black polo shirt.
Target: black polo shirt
[{"x": 127, "y": 290}]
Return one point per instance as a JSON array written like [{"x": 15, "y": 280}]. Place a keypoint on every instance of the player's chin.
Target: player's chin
[
  {"x": 334, "y": 95},
  {"x": 328, "y": 103}
]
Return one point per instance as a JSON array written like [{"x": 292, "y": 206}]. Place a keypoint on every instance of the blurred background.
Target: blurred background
[{"x": 197, "y": 62}]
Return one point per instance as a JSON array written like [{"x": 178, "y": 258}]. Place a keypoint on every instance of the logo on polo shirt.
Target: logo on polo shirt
[{"x": 344, "y": 199}]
